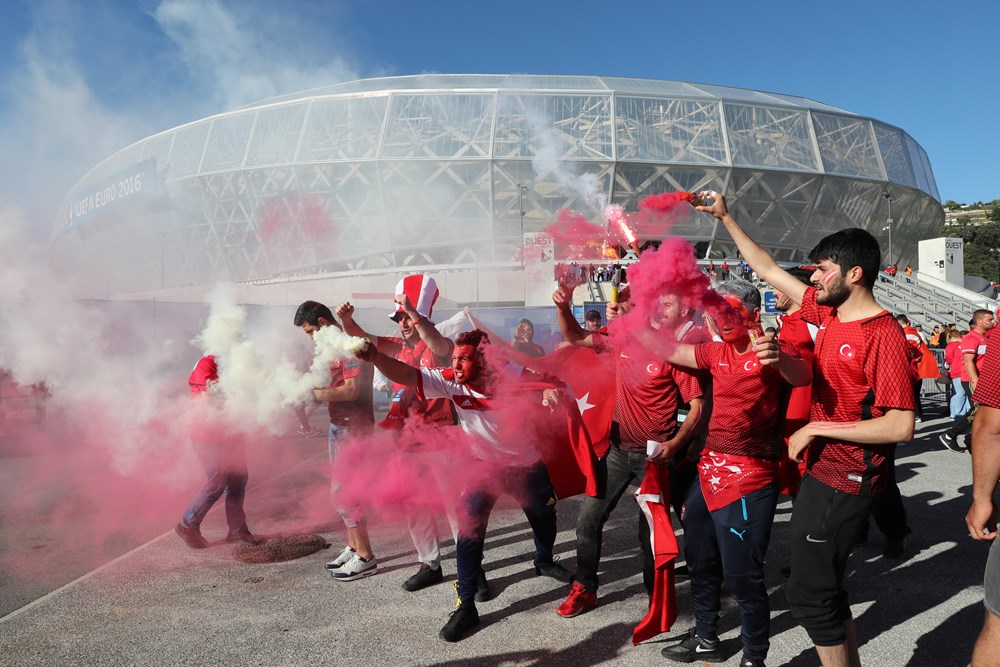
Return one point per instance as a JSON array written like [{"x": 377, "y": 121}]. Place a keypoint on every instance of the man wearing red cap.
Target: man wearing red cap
[{"x": 419, "y": 345}]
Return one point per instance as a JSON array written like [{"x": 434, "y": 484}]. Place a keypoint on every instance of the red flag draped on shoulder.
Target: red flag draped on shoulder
[
  {"x": 653, "y": 498},
  {"x": 590, "y": 380}
]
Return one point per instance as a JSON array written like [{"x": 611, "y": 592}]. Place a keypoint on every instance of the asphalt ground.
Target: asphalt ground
[{"x": 159, "y": 603}]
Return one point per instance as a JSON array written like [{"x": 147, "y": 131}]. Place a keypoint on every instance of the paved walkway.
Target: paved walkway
[{"x": 164, "y": 604}]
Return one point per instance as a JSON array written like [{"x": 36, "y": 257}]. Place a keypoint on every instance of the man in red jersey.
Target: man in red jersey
[
  {"x": 648, "y": 393},
  {"x": 419, "y": 345},
  {"x": 972, "y": 347},
  {"x": 728, "y": 513},
  {"x": 862, "y": 403},
  {"x": 982, "y": 517},
  {"x": 349, "y": 398},
  {"x": 223, "y": 459}
]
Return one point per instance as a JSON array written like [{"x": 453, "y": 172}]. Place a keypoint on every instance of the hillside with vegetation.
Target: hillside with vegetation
[{"x": 981, "y": 236}]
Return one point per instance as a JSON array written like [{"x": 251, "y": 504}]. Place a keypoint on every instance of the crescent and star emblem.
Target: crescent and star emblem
[{"x": 846, "y": 352}]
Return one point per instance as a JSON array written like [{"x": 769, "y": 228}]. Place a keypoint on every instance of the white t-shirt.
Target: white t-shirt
[{"x": 477, "y": 416}]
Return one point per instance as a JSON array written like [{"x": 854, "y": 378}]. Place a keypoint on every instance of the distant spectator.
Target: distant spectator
[
  {"x": 959, "y": 403},
  {"x": 725, "y": 270},
  {"x": 935, "y": 341},
  {"x": 523, "y": 340}
]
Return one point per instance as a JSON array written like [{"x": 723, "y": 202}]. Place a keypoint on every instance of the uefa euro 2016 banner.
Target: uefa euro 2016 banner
[{"x": 138, "y": 185}]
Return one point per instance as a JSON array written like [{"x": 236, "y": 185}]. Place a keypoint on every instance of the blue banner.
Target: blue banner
[
  {"x": 136, "y": 185},
  {"x": 770, "y": 302}
]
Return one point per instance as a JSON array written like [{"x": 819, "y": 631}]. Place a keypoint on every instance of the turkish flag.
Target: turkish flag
[{"x": 653, "y": 497}]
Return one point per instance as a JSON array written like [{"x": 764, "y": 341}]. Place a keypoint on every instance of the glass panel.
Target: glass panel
[
  {"x": 158, "y": 147},
  {"x": 773, "y": 206},
  {"x": 436, "y": 203},
  {"x": 652, "y": 87},
  {"x": 768, "y": 137},
  {"x": 228, "y": 207},
  {"x": 546, "y": 194},
  {"x": 439, "y": 126},
  {"x": 536, "y": 82},
  {"x": 736, "y": 94},
  {"x": 847, "y": 146},
  {"x": 634, "y": 182},
  {"x": 227, "y": 142},
  {"x": 931, "y": 183},
  {"x": 344, "y": 129},
  {"x": 895, "y": 157},
  {"x": 902, "y": 224},
  {"x": 669, "y": 130},
  {"x": 842, "y": 203},
  {"x": 276, "y": 135},
  {"x": 917, "y": 164},
  {"x": 185, "y": 157},
  {"x": 557, "y": 126}
]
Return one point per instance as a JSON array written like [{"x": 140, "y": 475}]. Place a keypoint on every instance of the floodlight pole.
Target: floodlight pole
[
  {"x": 888, "y": 199},
  {"x": 521, "y": 189}
]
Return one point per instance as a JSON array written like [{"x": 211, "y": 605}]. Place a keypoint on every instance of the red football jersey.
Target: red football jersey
[
  {"x": 748, "y": 401},
  {"x": 988, "y": 388},
  {"x": 972, "y": 344},
  {"x": 648, "y": 393},
  {"x": 359, "y": 411},
  {"x": 861, "y": 370}
]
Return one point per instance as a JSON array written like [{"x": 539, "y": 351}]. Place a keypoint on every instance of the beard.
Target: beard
[{"x": 835, "y": 294}]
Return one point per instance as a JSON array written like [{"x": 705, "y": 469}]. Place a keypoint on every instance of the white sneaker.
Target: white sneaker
[
  {"x": 356, "y": 568},
  {"x": 339, "y": 561}
]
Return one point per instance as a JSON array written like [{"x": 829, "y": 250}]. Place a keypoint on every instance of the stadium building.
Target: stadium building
[{"x": 355, "y": 183}]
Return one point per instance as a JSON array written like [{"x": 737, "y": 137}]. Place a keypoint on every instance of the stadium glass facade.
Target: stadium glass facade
[{"x": 423, "y": 172}]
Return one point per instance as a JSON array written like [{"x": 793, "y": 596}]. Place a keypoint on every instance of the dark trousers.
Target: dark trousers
[
  {"x": 729, "y": 545},
  {"x": 615, "y": 472},
  {"x": 532, "y": 489},
  {"x": 889, "y": 513},
  {"x": 824, "y": 527}
]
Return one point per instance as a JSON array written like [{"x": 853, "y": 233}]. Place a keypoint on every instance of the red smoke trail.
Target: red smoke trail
[{"x": 660, "y": 212}]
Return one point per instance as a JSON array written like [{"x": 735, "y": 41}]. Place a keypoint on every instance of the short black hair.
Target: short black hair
[
  {"x": 310, "y": 312},
  {"x": 594, "y": 315},
  {"x": 802, "y": 274},
  {"x": 849, "y": 248}
]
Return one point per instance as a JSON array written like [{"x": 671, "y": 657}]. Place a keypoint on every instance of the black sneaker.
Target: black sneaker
[
  {"x": 694, "y": 648},
  {"x": 554, "y": 570},
  {"x": 894, "y": 548},
  {"x": 950, "y": 442},
  {"x": 244, "y": 536},
  {"x": 460, "y": 622},
  {"x": 750, "y": 662},
  {"x": 424, "y": 577},
  {"x": 483, "y": 592}
]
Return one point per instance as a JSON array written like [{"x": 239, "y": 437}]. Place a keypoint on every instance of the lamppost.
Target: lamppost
[
  {"x": 888, "y": 199},
  {"x": 521, "y": 189}
]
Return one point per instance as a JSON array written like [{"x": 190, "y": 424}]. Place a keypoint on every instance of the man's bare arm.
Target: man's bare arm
[
  {"x": 393, "y": 369},
  {"x": 345, "y": 312},
  {"x": 760, "y": 260},
  {"x": 570, "y": 328},
  {"x": 981, "y": 519},
  {"x": 894, "y": 426},
  {"x": 346, "y": 392},
  {"x": 439, "y": 345}
]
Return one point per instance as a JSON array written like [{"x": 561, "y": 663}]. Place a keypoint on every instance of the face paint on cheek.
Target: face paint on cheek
[{"x": 833, "y": 275}]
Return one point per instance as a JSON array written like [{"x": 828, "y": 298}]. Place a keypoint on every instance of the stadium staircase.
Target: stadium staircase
[{"x": 929, "y": 301}]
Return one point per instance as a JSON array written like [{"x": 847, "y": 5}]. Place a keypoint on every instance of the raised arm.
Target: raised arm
[
  {"x": 759, "y": 259},
  {"x": 345, "y": 312},
  {"x": 439, "y": 345},
  {"x": 393, "y": 369},
  {"x": 570, "y": 328}
]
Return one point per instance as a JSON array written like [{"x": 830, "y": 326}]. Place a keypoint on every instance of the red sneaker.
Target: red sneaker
[{"x": 580, "y": 601}]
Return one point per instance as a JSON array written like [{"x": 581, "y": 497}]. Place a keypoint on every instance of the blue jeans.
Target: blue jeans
[
  {"x": 225, "y": 467},
  {"x": 532, "y": 489},
  {"x": 959, "y": 401},
  {"x": 351, "y": 515},
  {"x": 729, "y": 545}
]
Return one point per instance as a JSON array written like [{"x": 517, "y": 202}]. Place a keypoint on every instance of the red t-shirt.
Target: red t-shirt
[
  {"x": 748, "y": 401},
  {"x": 797, "y": 332},
  {"x": 953, "y": 357},
  {"x": 205, "y": 426},
  {"x": 406, "y": 405},
  {"x": 861, "y": 370},
  {"x": 988, "y": 388},
  {"x": 358, "y": 412},
  {"x": 648, "y": 392},
  {"x": 972, "y": 343}
]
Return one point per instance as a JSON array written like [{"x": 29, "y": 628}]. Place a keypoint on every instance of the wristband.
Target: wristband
[{"x": 417, "y": 321}]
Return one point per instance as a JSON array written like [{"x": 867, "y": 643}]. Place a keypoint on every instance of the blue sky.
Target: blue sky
[{"x": 80, "y": 80}]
